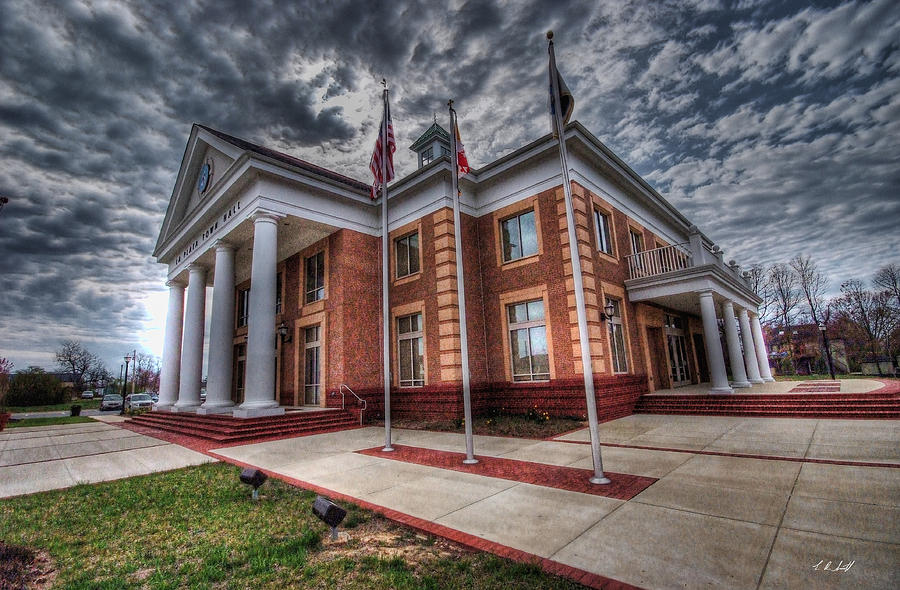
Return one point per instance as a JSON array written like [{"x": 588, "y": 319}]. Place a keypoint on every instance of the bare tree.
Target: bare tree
[
  {"x": 146, "y": 372},
  {"x": 813, "y": 285},
  {"x": 76, "y": 360},
  {"x": 6, "y": 368},
  {"x": 759, "y": 282},
  {"x": 785, "y": 300},
  {"x": 888, "y": 278},
  {"x": 870, "y": 311}
]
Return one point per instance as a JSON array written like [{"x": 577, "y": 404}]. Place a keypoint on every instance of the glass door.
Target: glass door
[{"x": 312, "y": 365}]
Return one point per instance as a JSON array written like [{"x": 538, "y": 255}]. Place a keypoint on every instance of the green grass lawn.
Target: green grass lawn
[
  {"x": 85, "y": 404},
  {"x": 198, "y": 528},
  {"x": 50, "y": 421},
  {"x": 536, "y": 426}
]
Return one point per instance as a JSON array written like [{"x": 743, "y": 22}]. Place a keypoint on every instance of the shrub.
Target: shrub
[{"x": 35, "y": 387}]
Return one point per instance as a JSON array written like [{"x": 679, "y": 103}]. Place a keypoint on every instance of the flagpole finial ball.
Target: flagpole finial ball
[{"x": 550, "y": 35}]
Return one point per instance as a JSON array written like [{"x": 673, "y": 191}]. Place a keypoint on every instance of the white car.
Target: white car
[
  {"x": 138, "y": 401},
  {"x": 87, "y": 394}
]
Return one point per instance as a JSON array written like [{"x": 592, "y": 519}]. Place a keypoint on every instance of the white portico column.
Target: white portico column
[
  {"x": 714, "y": 356},
  {"x": 762, "y": 355},
  {"x": 171, "y": 365},
  {"x": 192, "y": 344},
  {"x": 218, "y": 384},
  {"x": 259, "y": 393},
  {"x": 734, "y": 346},
  {"x": 749, "y": 348}
]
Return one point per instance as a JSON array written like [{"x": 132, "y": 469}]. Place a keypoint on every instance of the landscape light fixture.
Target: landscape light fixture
[
  {"x": 329, "y": 513},
  {"x": 255, "y": 478}
]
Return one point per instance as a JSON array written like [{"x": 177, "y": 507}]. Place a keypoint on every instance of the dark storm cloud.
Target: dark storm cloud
[{"x": 771, "y": 125}]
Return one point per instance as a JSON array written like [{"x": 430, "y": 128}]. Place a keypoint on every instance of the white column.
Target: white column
[
  {"x": 734, "y": 346},
  {"x": 221, "y": 334},
  {"x": 192, "y": 344},
  {"x": 259, "y": 392},
  {"x": 749, "y": 348},
  {"x": 170, "y": 372},
  {"x": 714, "y": 357},
  {"x": 762, "y": 355}
]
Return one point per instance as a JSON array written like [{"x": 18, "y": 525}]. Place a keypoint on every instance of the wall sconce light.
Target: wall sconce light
[
  {"x": 608, "y": 310},
  {"x": 284, "y": 332}
]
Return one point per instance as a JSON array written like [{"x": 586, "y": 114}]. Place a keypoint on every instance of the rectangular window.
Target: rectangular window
[
  {"x": 637, "y": 242},
  {"x": 445, "y": 151},
  {"x": 411, "y": 350},
  {"x": 617, "y": 338},
  {"x": 528, "y": 341},
  {"x": 243, "y": 307},
  {"x": 311, "y": 352},
  {"x": 519, "y": 236},
  {"x": 601, "y": 222},
  {"x": 240, "y": 361},
  {"x": 407, "y": 251},
  {"x": 315, "y": 277},
  {"x": 427, "y": 156},
  {"x": 278, "y": 287}
]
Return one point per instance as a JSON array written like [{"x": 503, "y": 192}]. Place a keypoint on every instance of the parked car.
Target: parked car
[
  {"x": 154, "y": 396},
  {"x": 87, "y": 394},
  {"x": 138, "y": 401},
  {"x": 111, "y": 401}
]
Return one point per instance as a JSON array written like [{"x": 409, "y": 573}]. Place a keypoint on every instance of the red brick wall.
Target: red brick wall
[{"x": 616, "y": 397}]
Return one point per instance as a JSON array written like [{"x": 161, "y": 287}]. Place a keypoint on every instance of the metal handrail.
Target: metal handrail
[{"x": 353, "y": 393}]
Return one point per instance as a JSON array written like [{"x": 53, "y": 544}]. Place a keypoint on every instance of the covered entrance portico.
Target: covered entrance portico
[
  {"x": 236, "y": 216},
  {"x": 692, "y": 278}
]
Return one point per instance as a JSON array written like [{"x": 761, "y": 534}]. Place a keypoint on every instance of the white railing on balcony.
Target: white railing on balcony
[{"x": 658, "y": 261}]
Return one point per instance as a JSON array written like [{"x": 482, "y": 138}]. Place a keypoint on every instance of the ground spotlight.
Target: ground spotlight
[
  {"x": 255, "y": 478},
  {"x": 329, "y": 513}
]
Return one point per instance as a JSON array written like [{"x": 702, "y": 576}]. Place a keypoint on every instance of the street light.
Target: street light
[
  {"x": 822, "y": 328},
  {"x": 128, "y": 358}
]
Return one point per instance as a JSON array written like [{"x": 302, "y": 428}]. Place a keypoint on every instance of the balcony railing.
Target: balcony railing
[{"x": 658, "y": 261}]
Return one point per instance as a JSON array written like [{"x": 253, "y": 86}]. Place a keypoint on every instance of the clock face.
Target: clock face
[{"x": 203, "y": 180}]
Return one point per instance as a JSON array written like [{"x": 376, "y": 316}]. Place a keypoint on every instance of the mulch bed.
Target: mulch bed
[{"x": 22, "y": 568}]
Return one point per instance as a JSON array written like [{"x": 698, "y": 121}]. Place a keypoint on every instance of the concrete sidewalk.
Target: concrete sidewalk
[
  {"x": 709, "y": 520},
  {"x": 36, "y": 459}
]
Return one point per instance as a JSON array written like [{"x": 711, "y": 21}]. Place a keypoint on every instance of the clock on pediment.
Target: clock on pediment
[{"x": 204, "y": 179}]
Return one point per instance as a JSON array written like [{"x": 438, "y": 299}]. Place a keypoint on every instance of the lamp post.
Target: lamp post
[
  {"x": 128, "y": 358},
  {"x": 823, "y": 329}
]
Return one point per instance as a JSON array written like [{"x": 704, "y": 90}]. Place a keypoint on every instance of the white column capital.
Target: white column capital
[
  {"x": 261, "y": 215},
  {"x": 196, "y": 267},
  {"x": 222, "y": 245},
  {"x": 175, "y": 284}
]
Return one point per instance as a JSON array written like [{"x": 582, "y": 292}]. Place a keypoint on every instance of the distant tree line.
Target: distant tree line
[{"x": 865, "y": 318}]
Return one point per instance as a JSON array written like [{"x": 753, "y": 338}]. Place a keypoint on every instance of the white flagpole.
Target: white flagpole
[
  {"x": 461, "y": 294},
  {"x": 385, "y": 279},
  {"x": 587, "y": 369}
]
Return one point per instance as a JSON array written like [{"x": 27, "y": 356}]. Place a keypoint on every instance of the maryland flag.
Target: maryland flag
[{"x": 462, "y": 163}]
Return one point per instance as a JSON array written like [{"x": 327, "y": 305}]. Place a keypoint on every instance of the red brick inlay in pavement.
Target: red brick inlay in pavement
[{"x": 623, "y": 486}]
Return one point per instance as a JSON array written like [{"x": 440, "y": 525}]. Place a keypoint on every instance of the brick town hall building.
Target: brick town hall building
[{"x": 293, "y": 254}]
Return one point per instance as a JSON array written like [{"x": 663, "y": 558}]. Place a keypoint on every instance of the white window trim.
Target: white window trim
[{"x": 526, "y": 325}]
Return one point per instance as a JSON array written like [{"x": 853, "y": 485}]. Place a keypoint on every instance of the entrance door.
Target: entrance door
[
  {"x": 312, "y": 365},
  {"x": 678, "y": 362}
]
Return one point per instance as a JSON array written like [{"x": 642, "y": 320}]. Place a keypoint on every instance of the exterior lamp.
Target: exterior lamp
[
  {"x": 255, "y": 478},
  {"x": 608, "y": 310},
  {"x": 128, "y": 359},
  {"x": 329, "y": 513},
  {"x": 284, "y": 332}
]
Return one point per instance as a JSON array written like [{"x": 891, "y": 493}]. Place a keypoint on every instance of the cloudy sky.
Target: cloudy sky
[{"x": 774, "y": 126}]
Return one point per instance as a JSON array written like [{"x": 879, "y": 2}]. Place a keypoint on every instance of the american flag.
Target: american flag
[{"x": 380, "y": 152}]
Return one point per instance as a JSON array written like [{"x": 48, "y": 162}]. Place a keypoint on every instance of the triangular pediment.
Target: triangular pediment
[{"x": 205, "y": 162}]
